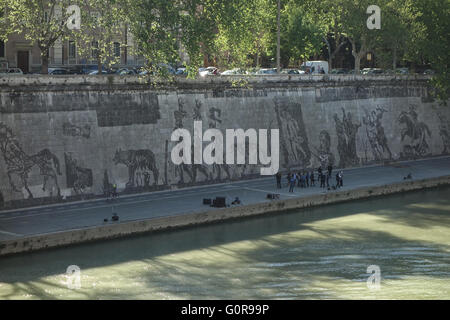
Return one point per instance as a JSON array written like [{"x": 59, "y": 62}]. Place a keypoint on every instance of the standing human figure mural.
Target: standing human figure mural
[
  {"x": 323, "y": 152},
  {"x": 346, "y": 132},
  {"x": 375, "y": 134},
  {"x": 215, "y": 119},
  {"x": 444, "y": 131},
  {"x": 417, "y": 132},
  {"x": 179, "y": 115},
  {"x": 19, "y": 164},
  {"x": 293, "y": 138}
]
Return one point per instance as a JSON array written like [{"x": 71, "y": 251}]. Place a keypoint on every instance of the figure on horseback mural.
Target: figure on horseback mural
[
  {"x": 417, "y": 132},
  {"x": 19, "y": 164}
]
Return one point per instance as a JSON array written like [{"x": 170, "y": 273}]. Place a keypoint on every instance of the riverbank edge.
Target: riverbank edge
[{"x": 128, "y": 228}]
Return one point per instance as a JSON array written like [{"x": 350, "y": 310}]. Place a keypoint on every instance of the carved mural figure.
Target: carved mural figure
[
  {"x": 214, "y": 119},
  {"x": 197, "y": 115},
  {"x": 20, "y": 164},
  {"x": 444, "y": 131},
  {"x": 375, "y": 134},
  {"x": 417, "y": 132},
  {"x": 76, "y": 131},
  {"x": 346, "y": 132},
  {"x": 143, "y": 160},
  {"x": 323, "y": 153},
  {"x": 78, "y": 178},
  {"x": 180, "y": 114},
  {"x": 293, "y": 139}
]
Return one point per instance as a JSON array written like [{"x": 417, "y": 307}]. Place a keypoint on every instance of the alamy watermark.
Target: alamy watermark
[
  {"x": 189, "y": 152},
  {"x": 73, "y": 275},
  {"x": 374, "y": 280},
  {"x": 374, "y": 20}
]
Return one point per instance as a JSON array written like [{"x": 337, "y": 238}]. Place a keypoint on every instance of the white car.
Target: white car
[
  {"x": 12, "y": 72},
  {"x": 208, "y": 71}
]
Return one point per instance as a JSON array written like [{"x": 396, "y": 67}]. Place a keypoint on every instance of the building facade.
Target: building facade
[{"x": 17, "y": 52}]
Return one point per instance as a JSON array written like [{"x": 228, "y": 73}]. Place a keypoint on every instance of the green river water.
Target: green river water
[{"x": 318, "y": 253}]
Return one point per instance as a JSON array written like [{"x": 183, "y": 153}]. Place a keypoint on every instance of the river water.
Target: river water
[{"x": 318, "y": 253}]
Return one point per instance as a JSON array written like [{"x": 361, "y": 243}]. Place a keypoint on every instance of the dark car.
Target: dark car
[{"x": 58, "y": 71}]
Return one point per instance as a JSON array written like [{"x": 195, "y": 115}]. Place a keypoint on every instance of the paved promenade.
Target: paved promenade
[{"x": 16, "y": 224}]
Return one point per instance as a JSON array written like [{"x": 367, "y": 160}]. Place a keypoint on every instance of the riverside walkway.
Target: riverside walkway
[{"x": 23, "y": 223}]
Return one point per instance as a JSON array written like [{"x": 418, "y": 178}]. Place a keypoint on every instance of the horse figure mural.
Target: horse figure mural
[
  {"x": 143, "y": 160},
  {"x": 417, "y": 132},
  {"x": 20, "y": 164}
]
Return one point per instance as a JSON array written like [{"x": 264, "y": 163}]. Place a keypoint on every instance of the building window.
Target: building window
[
  {"x": 94, "y": 49},
  {"x": 2, "y": 49},
  {"x": 116, "y": 49},
  {"x": 72, "y": 50}
]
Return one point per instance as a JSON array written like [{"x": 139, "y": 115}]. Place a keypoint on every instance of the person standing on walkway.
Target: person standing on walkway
[
  {"x": 292, "y": 182},
  {"x": 330, "y": 169},
  {"x": 307, "y": 178},
  {"x": 328, "y": 179},
  {"x": 322, "y": 180},
  {"x": 313, "y": 182},
  {"x": 278, "y": 177},
  {"x": 338, "y": 182},
  {"x": 341, "y": 178}
]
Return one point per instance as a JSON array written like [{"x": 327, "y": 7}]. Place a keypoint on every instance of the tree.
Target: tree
[
  {"x": 301, "y": 35},
  {"x": 432, "y": 43},
  {"x": 42, "y": 22},
  {"x": 103, "y": 30},
  {"x": 354, "y": 25}
]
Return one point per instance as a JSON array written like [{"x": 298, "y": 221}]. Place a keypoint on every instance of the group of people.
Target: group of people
[{"x": 304, "y": 179}]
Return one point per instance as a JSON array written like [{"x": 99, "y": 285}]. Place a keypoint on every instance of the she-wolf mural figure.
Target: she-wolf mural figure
[{"x": 144, "y": 160}]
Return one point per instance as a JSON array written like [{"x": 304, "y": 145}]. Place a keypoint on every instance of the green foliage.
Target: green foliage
[
  {"x": 103, "y": 24},
  {"x": 42, "y": 22}
]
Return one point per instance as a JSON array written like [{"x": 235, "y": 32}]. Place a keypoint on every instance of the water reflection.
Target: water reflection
[{"x": 308, "y": 254}]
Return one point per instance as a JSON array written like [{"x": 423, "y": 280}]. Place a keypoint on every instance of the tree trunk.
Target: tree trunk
[
  {"x": 45, "y": 58},
  {"x": 278, "y": 36},
  {"x": 394, "y": 60},
  {"x": 358, "y": 55},
  {"x": 357, "y": 64},
  {"x": 99, "y": 63},
  {"x": 330, "y": 59}
]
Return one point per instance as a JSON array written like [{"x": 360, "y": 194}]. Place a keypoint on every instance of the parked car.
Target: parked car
[
  {"x": 234, "y": 71},
  {"x": 57, "y": 71},
  {"x": 209, "y": 71},
  {"x": 292, "y": 71},
  {"x": 429, "y": 71},
  {"x": 12, "y": 71},
  {"x": 125, "y": 71},
  {"x": 375, "y": 71},
  {"x": 314, "y": 66},
  {"x": 402, "y": 71},
  {"x": 87, "y": 69},
  {"x": 267, "y": 71},
  {"x": 95, "y": 72},
  {"x": 339, "y": 71},
  {"x": 181, "y": 71}
]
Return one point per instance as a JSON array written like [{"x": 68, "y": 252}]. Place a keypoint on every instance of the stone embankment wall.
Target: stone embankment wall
[{"x": 64, "y": 138}]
